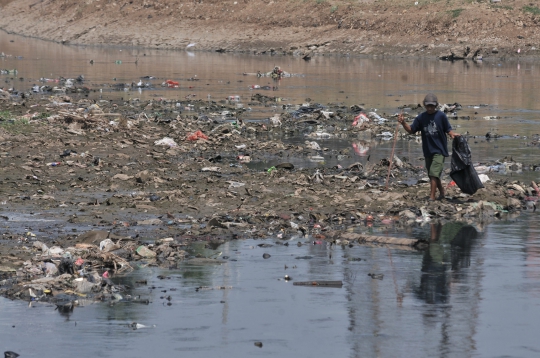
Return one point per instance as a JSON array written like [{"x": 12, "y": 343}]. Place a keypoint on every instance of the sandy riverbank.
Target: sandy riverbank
[{"x": 294, "y": 27}]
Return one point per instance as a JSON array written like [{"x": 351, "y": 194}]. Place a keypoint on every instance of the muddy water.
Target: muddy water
[{"x": 473, "y": 293}]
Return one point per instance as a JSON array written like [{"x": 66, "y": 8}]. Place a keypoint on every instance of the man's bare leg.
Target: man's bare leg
[
  {"x": 440, "y": 187},
  {"x": 435, "y": 183}
]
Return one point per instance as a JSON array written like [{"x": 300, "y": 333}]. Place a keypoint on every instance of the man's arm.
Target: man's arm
[
  {"x": 405, "y": 125},
  {"x": 448, "y": 128}
]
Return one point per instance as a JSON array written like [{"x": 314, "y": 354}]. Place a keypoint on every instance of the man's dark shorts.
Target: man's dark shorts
[{"x": 435, "y": 165}]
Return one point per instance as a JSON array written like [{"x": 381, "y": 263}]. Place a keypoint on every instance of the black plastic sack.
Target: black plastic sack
[
  {"x": 463, "y": 172},
  {"x": 461, "y": 154}
]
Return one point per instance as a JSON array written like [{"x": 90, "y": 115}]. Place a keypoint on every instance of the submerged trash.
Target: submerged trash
[
  {"x": 205, "y": 288},
  {"x": 135, "y": 326},
  {"x": 336, "y": 284}
]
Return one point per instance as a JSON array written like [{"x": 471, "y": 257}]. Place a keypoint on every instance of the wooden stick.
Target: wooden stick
[
  {"x": 393, "y": 148},
  {"x": 337, "y": 284},
  {"x": 361, "y": 238}
]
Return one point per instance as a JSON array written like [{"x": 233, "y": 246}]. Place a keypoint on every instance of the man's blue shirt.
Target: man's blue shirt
[{"x": 433, "y": 128}]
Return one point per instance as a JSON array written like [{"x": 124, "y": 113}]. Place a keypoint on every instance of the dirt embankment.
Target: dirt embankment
[{"x": 385, "y": 27}]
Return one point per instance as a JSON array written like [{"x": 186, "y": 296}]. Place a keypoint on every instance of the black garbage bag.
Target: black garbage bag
[
  {"x": 463, "y": 172},
  {"x": 461, "y": 154},
  {"x": 66, "y": 266}
]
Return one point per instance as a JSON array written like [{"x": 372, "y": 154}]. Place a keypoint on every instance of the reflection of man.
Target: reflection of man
[
  {"x": 434, "y": 282},
  {"x": 434, "y": 126},
  {"x": 435, "y": 231},
  {"x": 449, "y": 251}
]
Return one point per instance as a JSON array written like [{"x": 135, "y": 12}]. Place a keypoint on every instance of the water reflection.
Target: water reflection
[
  {"x": 427, "y": 284},
  {"x": 385, "y": 84},
  {"x": 65, "y": 309},
  {"x": 449, "y": 251},
  {"x": 361, "y": 148},
  {"x": 435, "y": 302}
]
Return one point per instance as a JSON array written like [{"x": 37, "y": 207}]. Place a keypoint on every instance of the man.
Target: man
[
  {"x": 434, "y": 126},
  {"x": 277, "y": 72}
]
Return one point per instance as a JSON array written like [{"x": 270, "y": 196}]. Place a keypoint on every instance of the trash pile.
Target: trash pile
[
  {"x": 155, "y": 169},
  {"x": 85, "y": 269}
]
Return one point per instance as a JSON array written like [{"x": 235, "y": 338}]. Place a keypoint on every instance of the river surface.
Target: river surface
[{"x": 474, "y": 293}]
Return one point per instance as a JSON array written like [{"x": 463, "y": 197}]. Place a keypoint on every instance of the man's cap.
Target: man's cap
[{"x": 431, "y": 99}]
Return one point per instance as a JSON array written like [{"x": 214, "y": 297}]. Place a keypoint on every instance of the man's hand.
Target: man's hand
[{"x": 405, "y": 125}]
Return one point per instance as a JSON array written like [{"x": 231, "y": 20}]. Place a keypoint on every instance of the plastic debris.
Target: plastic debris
[
  {"x": 135, "y": 325},
  {"x": 172, "y": 84},
  {"x": 108, "y": 245},
  {"x": 483, "y": 178},
  {"x": 197, "y": 135},
  {"x": 145, "y": 252},
  {"x": 166, "y": 141},
  {"x": 360, "y": 119},
  {"x": 312, "y": 145}
]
